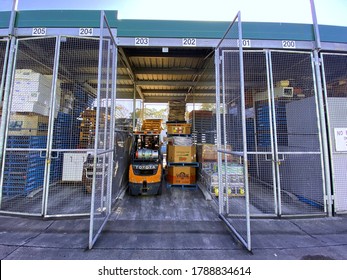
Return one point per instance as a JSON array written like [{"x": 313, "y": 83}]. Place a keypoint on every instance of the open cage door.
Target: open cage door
[
  {"x": 233, "y": 192},
  {"x": 101, "y": 159}
]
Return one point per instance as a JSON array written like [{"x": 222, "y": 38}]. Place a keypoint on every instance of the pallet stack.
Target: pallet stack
[
  {"x": 24, "y": 170},
  {"x": 88, "y": 128},
  {"x": 153, "y": 125},
  {"x": 203, "y": 129}
]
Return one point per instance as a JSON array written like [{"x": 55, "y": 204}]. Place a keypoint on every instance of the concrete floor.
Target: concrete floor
[{"x": 180, "y": 224}]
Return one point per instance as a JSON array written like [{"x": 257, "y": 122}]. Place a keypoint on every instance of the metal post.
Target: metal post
[
  {"x": 225, "y": 189},
  {"x": 244, "y": 132},
  {"x": 218, "y": 122},
  {"x": 12, "y": 18},
  {"x": 275, "y": 145},
  {"x": 6, "y": 108},
  {"x": 50, "y": 127},
  {"x": 324, "y": 135},
  {"x": 323, "y": 124},
  {"x": 95, "y": 160},
  {"x": 271, "y": 116},
  {"x": 9, "y": 66},
  {"x": 315, "y": 25},
  {"x": 134, "y": 107},
  {"x": 112, "y": 128}
]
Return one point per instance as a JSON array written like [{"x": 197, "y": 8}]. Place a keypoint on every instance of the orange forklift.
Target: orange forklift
[{"x": 146, "y": 166}]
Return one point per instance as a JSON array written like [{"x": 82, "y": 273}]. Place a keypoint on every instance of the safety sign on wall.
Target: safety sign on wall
[{"x": 340, "y": 139}]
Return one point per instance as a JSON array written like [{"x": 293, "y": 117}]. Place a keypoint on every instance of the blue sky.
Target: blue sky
[{"x": 332, "y": 12}]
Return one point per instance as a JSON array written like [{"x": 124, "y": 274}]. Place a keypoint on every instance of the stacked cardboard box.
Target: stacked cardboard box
[
  {"x": 208, "y": 153},
  {"x": 181, "y": 153},
  {"x": 177, "y": 110},
  {"x": 28, "y": 125},
  {"x": 32, "y": 93},
  {"x": 181, "y": 175}
]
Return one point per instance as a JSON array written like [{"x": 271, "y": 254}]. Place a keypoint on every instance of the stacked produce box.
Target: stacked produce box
[
  {"x": 177, "y": 110},
  {"x": 181, "y": 156}
]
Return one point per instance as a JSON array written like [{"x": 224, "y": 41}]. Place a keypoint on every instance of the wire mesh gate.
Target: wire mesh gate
[
  {"x": 103, "y": 155},
  {"x": 59, "y": 128},
  {"x": 284, "y": 134},
  {"x": 334, "y": 68},
  {"x": 268, "y": 136},
  {"x": 285, "y": 161}
]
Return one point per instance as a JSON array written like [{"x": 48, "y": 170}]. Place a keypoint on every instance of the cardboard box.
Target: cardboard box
[
  {"x": 208, "y": 152},
  {"x": 22, "y": 104},
  {"x": 178, "y": 128},
  {"x": 181, "y": 153},
  {"x": 181, "y": 175},
  {"x": 29, "y": 125}
]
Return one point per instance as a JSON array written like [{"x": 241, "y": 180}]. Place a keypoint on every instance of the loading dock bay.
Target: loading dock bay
[{"x": 287, "y": 142}]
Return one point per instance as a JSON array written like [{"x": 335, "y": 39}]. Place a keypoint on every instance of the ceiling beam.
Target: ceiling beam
[
  {"x": 128, "y": 65},
  {"x": 166, "y": 71},
  {"x": 176, "y": 83}
]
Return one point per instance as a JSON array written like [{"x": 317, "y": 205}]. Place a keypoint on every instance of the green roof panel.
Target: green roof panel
[
  {"x": 173, "y": 28},
  {"x": 5, "y": 19},
  {"x": 62, "y": 18}
]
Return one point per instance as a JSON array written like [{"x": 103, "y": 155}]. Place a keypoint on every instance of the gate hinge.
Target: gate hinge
[{"x": 318, "y": 61}]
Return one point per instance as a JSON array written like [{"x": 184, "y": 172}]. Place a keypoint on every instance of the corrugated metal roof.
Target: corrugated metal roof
[{"x": 164, "y": 76}]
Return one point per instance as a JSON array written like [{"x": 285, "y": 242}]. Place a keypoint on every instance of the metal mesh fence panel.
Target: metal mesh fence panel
[
  {"x": 298, "y": 157},
  {"x": 25, "y": 152},
  {"x": 335, "y": 88},
  {"x": 73, "y": 131}
]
